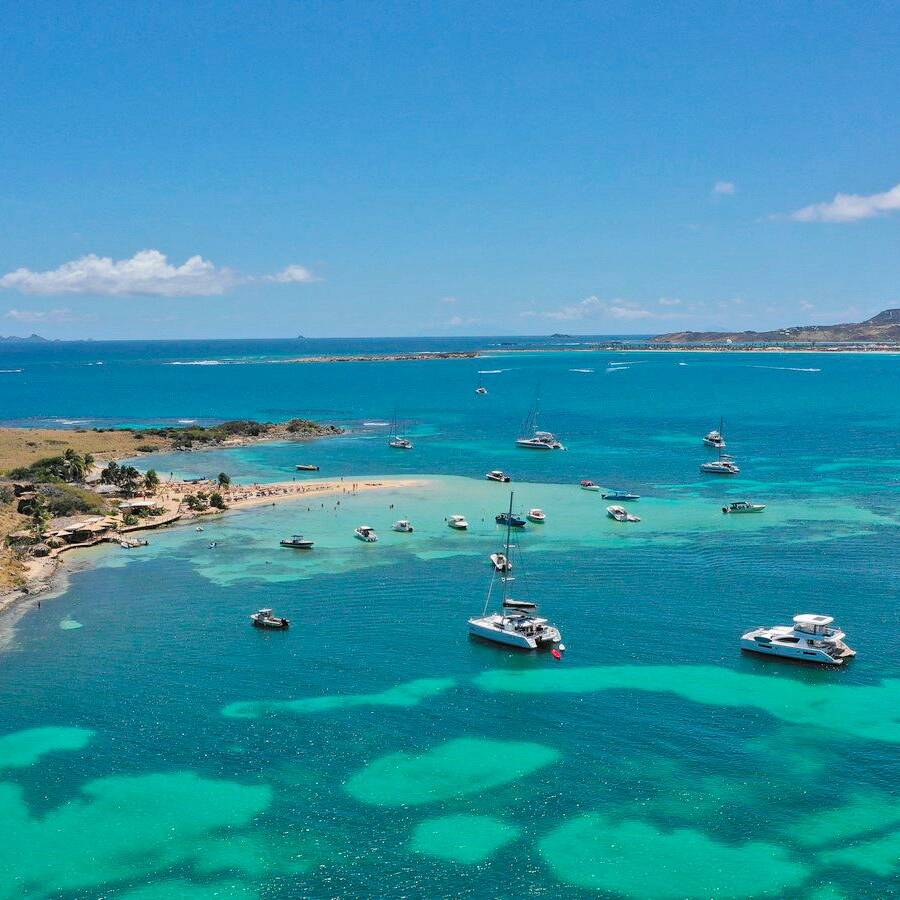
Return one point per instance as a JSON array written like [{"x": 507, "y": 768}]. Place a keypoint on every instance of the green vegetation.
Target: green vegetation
[
  {"x": 70, "y": 500},
  {"x": 70, "y": 467},
  {"x": 126, "y": 478},
  {"x": 151, "y": 481},
  {"x": 224, "y": 480},
  {"x": 217, "y": 501}
]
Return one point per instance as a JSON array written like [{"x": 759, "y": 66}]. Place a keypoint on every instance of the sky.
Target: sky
[{"x": 268, "y": 169}]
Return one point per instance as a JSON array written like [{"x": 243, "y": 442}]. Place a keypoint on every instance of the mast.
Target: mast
[{"x": 508, "y": 529}]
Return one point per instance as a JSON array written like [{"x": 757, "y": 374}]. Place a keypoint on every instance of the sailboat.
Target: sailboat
[
  {"x": 724, "y": 465},
  {"x": 539, "y": 440},
  {"x": 516, "y": 624},
  {"x": 716, "y": 437},
  {"x": 397, "y": 441}
]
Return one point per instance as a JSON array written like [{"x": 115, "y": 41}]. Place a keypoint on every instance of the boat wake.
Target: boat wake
[
  {"x": 375, "y": 424},
  {"x": 491, "y": 371},
  {"x": 787, "y": 368},
  {"x": 199, "y": 362},
  {"x": 9, "y": 371},
  {"x": 586, "y": 371}
]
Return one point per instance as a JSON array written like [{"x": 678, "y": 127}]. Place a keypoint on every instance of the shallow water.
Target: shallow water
[{"x": 167, "y": 749}]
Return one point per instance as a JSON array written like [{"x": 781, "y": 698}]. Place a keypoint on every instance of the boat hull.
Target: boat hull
[
  {"x": 303, "y": 545},
  {"x": 798, "y": 652},
  {"x": 486, "y": 630}
]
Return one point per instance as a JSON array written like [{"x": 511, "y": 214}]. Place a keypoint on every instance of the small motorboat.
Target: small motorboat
[
  {"x": 297, "y": 542},
  {"x": 622, "y": 496},
  {"x": 497, "y": 475},
  {"x": 458, "y": 522},
  {"x": 400, "y": 443},
  {"x": 743, "y": 506},
  {"x": 307, "y": 468},
  {"x": 810, "y": 639},
  {"x": 403, "y": 525},
  {"x": 265, "y": 618},
  {"x": 587, "y": 485},
  {"x": 501, "y": 562},
  {"x": 620, "y": 514},
  {"x": 510, "y": 519},
  {"x": 537, "y": 516},
  {"x": 366, "y": 533},
  {"x": 481, "y": 390},
  {"x": 720, "y": 467}
]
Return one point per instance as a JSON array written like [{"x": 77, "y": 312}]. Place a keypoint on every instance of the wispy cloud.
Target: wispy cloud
[
  {"x": 292, "y": 275},
  {"x": 593, "y": 307},
  {"x": 449, "y": 299},
  {"x": 148, "y": 272},
  {"x": 669, "y": 301},
  {"x": 724, "y": 188},
  {"x": 41, "y": 315},
  {"x": 850, "y": 207}
]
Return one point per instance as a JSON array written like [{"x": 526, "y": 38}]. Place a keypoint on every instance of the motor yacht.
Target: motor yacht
[
  {"x": 538, "y": 516},
  {"x": 404, "y": 526},
  {"x": 298, "y": 542},
  {"x": 516, "y": 623},
  {"x": 811, "y": 639},
  {"x": 366, "y": 533},
  {"x": 501, "y": 562},
  {"x": 587, "y": 485},
  {"x": 622, "y": 496},
  {"x": 743, "y": 506},
  {"x": 265, "y": 618},
  {"x": 715, "y": 438},
  {"x": 513, "y": 521},
  {"x": 620, "y": 514},
  {"x": 720, "y": 467},
  {"x": 497, "y": 475},
  {"x": 458, "y": 522},
  {"x": 540, "y": 440}
]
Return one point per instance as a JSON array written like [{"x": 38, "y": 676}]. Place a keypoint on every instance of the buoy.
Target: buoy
[{"x": 556, "y": 653}]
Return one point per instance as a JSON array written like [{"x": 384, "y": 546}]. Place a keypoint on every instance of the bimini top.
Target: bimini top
[{"x": 812, "y": 619}]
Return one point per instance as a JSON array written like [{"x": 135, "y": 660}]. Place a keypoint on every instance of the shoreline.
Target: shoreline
[{"x": 46, "y": 575}]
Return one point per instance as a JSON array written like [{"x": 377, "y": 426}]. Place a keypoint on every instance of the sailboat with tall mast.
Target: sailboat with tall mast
[
  {"x": 535, "y": 439},
  {"x": 516, "y": 623},
  {"x": 716, "y": 437},
  {"x": 396, "y": 440}
]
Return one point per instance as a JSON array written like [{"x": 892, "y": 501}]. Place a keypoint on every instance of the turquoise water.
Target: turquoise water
[{"x": 153, "y": 744}]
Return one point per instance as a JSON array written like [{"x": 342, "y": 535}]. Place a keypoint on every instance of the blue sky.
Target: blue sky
[{"x": 268, "y": 169}]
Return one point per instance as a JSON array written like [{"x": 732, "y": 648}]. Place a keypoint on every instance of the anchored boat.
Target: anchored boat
[
  {"x": 298, "y": 542},
  {"x": 811, "y": 639},
  {"x": 743, "y": 506},
  {"x": 265, "y": 618}
]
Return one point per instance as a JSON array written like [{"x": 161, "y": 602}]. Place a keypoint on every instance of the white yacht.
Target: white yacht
[
  {"x": 716, "y": 438},
  {"x": 538, "y": 516},
  {"x": 539, "y": 440},
  {"x": 588, "y": 485},
  {"x": 265, "y": 618},
  {"x": 497, "y": 475},
  {"x": 400, "y": 443},
  {"x": 458, "y": 522},
  {"x": 720, "y": 467},
  {"x": 743, "y": 506},
  {"x": 810, "y": 638},
  {"x": 297, "y": 542},
  {"x": 516, "y": 623},
  {"x": 366, "y": 533},
  {"x": 620, "y": 514},
  {"x": 501, "y": 562},
  {"x": 404, "y": 526},
  {"x": 481, "y": 390}
]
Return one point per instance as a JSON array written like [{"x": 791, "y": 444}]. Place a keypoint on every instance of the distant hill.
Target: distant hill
[
  {"x": 31, "y": 339},
  {"x": 885, "y": 327}
]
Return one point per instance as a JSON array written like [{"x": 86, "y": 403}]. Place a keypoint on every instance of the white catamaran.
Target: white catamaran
[
  {"x": 538, "y": 440},
  {"x": 516, "y": 624}
]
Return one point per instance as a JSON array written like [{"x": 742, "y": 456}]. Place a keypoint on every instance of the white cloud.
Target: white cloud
[
  {"x": 449, "y": 299},
  {"x": 850, "y": 207},
  {"x": 724, "y": 188},
  {"x": 292, "y": 275},
  {"x": 806, "y": 306},
  {"x": 669, "y": 301},
  {"x": 41, "y": 315},
  {"x": 458, "y": 321},
  {"x": 148, "y": 273},
  {"x": 593, "y": 307}
]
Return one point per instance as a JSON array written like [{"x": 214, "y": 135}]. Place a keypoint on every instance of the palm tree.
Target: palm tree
[
  {"x": 151, "y": 481},
  {"x": 224, "y": 480}
]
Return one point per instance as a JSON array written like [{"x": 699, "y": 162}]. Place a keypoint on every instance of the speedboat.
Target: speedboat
[
  {"x": 743, "y": 506},
  {"x": 516, "y": 623},
  {"x": 481, "y": 390},
  {"x": 509, "y": 519},
  {"x": 404, "y": 526},
  {"x": 458, "y": 522},
  {"x": 715, "y": 438},
  {"x": 366, "y": 533},
  {"x": 589, "y": 486},
  {"x": 810, "y": 639},
  {"x": 264, "y": 618},
  {"x": 540, "y": 440},
  {"x": 501, "y": 562},
  {"x": 298, "y": 542},
  {"x": 620, "y": 514},
  {"x": 307, "y": 468},
  {"x": 400, "y": 443},
  {"x": 537, "y": 516},
  {"x": 497, "y": 475},
  {"x": 620, "y": 495},
  {"x": 720, "y": 467}
]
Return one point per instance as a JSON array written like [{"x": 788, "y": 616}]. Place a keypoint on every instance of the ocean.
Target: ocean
[{"x": 154, "y": 745}]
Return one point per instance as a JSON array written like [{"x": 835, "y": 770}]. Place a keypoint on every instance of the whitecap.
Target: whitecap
[
  {"x": 787, "y": 368},
  {"x": 682, "y": 364},
  {"x": 587, "y": 371},
  {"x": 186, "y": 421},
  {"x": 375, "y": 424},
  {"x": 491, "y": 371},
  {"x": 9, "y": 371},
  {"x": 198, "y": 362}
]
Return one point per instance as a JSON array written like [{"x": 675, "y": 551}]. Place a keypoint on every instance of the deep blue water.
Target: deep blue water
[{"x": 741, "y": 765}]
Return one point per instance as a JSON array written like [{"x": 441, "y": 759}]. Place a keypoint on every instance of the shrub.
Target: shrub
[{"x": 217, "y": 501}]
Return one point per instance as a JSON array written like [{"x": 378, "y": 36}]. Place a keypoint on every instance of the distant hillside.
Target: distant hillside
[
  {"x": 885, "y": 327},
  {"x": 31, "y": 339}
]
